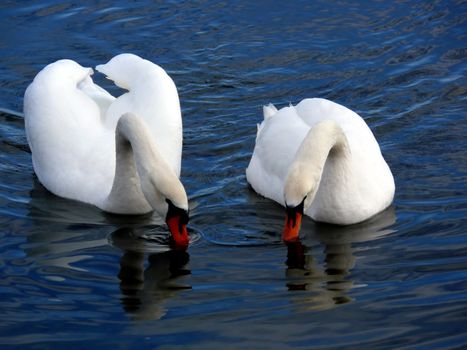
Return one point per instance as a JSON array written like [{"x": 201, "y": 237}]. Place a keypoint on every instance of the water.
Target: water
[{"x": 74, "y": 277}]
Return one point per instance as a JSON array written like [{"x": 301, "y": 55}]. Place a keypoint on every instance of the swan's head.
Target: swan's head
[
  {"x": 299, "y": 192},
  {"x": 159, "y": 188},
  {"x": 162, "y": 182},
  {"x": 122, "y": 69},
  {"x": 177, "y": 218},
  {"x": 161, "y": 185}
]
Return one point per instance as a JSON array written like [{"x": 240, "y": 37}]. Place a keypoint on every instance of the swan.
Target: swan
[
  {"x": 122, "y": 155},
  {"x": 320, "y": 159}
]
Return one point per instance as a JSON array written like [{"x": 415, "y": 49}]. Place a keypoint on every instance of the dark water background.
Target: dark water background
[{"x": 73, "y": 277}]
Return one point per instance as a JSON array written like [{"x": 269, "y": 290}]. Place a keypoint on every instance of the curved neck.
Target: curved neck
[
  {"x": 143, "y": 179},
  {"x": 325, "y": 139}
]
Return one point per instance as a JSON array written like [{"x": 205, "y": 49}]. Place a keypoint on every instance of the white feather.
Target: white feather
[
  {"x": 351, "y": 187},
  {"x": 71, "y": 129}
]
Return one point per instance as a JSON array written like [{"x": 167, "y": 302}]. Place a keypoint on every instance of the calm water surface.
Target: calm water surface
[{"x": 73, "y": 277}]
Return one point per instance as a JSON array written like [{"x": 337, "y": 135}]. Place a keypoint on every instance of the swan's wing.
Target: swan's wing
[
  {"x": 73, "y": 155},
  {"x": 315, "y": 110},
  {"x": 368, "y": 185},
  {"x": 277, "y": 141},
  {"x": 152, "y": 97},
  {"x": 359, "y": 135}
]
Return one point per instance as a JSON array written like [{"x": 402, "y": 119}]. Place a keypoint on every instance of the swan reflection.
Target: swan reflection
[
  {"x": 330, "y": 280},
  {"x": 65, "y": 230},
  {"x": 145, "y": 289}
]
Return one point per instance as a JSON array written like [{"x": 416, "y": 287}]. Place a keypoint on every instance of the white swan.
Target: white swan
[
  {"x": 122, "y": 155},
  {"x": 321, "y": 159}
]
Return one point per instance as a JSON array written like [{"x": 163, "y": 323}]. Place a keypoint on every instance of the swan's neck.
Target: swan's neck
[
  {"x": 143, "y": 179},
  {"x": 325, "y": 139}
]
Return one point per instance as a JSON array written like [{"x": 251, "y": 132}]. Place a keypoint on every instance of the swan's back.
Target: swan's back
[{"x": 359, "y": 135}]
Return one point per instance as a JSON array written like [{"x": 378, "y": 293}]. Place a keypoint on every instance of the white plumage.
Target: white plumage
[
  {"x": 325, "y": 152},
  {"x": 71, "y": 126}
]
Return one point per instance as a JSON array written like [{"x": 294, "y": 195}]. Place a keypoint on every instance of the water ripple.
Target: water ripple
[{"x": 72, "y": 274}]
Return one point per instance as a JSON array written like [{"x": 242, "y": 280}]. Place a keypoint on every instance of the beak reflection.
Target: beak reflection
[{"x": 145, "y": 289}]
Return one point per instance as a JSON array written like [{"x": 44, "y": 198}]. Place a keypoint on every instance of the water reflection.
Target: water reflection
[
  {"x": 329, "y": 284},
  {"x": 330, "y": 280},
  {"x": 66, "y": 231},
  {"x": 145, "y": 290}
]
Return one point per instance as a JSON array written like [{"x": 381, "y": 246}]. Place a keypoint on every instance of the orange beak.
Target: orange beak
[
  {"x": 178, "y": 231},
  {"x": 293, "y": 221}
]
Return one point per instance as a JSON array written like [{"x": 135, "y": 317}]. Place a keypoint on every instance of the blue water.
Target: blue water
[{"x": 73, "y": 277}]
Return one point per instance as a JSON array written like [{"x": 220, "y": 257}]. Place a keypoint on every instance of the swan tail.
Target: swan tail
[{"x": 269, "y": 111}]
